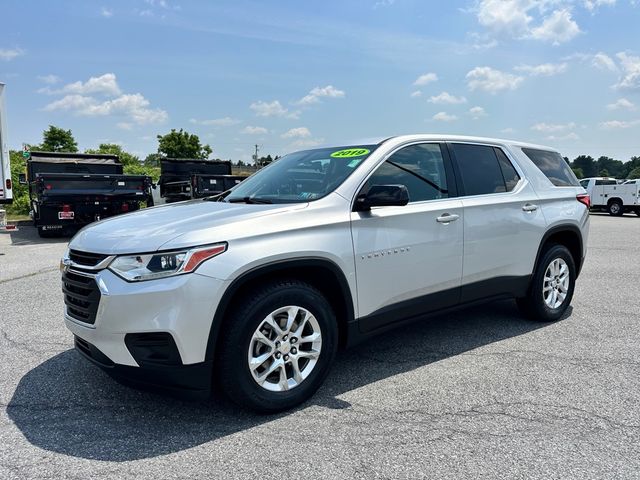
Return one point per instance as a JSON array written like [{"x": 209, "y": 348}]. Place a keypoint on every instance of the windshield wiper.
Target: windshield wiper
[{"x": 248, "y": 200}]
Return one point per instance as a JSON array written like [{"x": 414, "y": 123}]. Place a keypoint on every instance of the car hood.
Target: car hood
[{"x": 152, "y": 229}]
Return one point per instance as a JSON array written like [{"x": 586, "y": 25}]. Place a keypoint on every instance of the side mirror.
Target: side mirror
[
  {"x": 382, "y": 196},
  {"x": 22, "y": 178}
]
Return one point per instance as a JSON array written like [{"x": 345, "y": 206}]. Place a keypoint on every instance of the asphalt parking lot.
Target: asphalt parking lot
[{"x": 478, "y": 394}]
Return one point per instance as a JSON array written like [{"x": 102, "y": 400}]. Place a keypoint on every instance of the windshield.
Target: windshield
[{"x": 301, "y": 176}]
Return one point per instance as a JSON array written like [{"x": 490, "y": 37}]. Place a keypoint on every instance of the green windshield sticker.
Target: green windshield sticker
[
  {"x": 350, "y": 152},
  {"x": 354, "y": 163}
]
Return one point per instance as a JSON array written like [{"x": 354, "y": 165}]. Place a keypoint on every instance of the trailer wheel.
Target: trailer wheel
[{"x": 615, "y": 208}]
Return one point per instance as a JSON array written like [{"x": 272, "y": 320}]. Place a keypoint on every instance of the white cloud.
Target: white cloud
[
  {"x": 592, "y": 5},
  {"x": 444, "y": 117},
  {"x": 216, "y": 122},
  {"x": 557, "y": 28},
  {"x": 317, "y": 93},
  {"x": 133, "y": 107},
  {"x": 569, "y": 136},
  {"x": 621, "y": 104},
  {"x": 508, "y": 17},
  {"x": 7, "y": 54},
  {"x": 516, "y": 19},
  {"x": 307, "y": 143},
  {"x": 124, "y": 125},
  {"x": 543, "y": 70},
  {"x": 477, "y": 112},
  {"x": 553, "y": 127},
  {"x": 425, "y": 79},
  {"x": 508, "y": 130},
  {"x": 491, "y": 80},
  {"x": 269, "y": 109},
  {"x": 249, "y": 130},
  {"x": 163, "y": 4},
  {"x": 445, "y": 98},
  {"x": 603, "y": 61},
  {"x": 300, "y": 132},
  {"x": 630, "y": 72},
  {"x": 383, "y": 3},
  {"x": 49, "y": 79},
  {"x": 416, "y": 94},
  {"x": 619, "y": 124},
  {"x": 106, "y": 12},
  {"x": 104, "y": 85}
]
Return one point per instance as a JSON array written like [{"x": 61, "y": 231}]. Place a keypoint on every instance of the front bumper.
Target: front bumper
[
  {"x": 185, "y": 381},
  {"x": 180, "y": 308}
]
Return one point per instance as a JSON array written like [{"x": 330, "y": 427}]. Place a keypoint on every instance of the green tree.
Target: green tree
[
  {"x": 586, "y": 164},
  {"x": 630, "y": 166},
  {"x": 578, "y": 172},
  {"x": 635, "y": 173},
  {"x": 182, "y": 144},
  {"x": 20, "y": 205},
  {"x": 55, "y": 139},
  {"x": 615, "y": 168},
  {"x": 604, "y": 173},
  {"x": 126, "y": 158},
  {"x": 152, "y": 160}
]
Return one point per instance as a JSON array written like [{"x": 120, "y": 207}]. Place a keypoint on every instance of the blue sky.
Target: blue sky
[{"x": 290, "y": 74}]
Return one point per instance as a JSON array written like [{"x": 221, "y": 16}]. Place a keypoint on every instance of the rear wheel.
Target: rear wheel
[
  {"x": 615, "y": 208},
  {"x": 551, "y": 287},
  {"x": 277, "y": 347}
]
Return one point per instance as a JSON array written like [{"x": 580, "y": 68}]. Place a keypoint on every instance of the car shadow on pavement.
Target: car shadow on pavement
[
  {"x": 28, "y": 235},
  {"x": 69, "y": 406}
]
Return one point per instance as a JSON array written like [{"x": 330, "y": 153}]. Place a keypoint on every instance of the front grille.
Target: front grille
[
  {"x": 86, "y": 258},
  {"x": 81, "y": 296}
]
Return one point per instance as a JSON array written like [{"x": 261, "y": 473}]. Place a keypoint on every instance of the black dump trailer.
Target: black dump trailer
[
  {"x": 70, "y": 190},
  {"x": 184, "y": 179}
]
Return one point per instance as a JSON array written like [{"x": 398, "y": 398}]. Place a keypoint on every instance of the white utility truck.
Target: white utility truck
[
  {"x": 6, "y": 194},
  {"x": 617, "y": 199}
]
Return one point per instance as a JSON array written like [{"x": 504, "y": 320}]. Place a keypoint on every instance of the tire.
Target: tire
[
  {"x": 615, "y": 208},
  {"x": 538, "y": 305},
  {"x": 239, "y": 344}
]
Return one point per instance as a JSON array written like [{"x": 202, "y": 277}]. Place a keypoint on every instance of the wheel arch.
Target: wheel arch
[
  {"x": 321, "y": 273},
  {"x": 568, "y": 235}
]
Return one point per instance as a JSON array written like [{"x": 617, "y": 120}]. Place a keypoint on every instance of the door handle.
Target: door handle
[
  {"x": 530, "y": 207},
  {"x": 447, "y": 218}
]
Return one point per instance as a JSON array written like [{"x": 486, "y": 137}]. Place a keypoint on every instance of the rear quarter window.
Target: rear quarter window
[{"x": 553, "y": 166}]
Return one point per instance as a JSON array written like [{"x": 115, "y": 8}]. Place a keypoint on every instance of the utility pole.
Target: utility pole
[{"x": 255, "y": 156}]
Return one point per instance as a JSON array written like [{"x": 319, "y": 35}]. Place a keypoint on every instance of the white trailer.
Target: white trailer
[
  {"x": 6, "y": 193},
  {"x": 617, "y": 199}
]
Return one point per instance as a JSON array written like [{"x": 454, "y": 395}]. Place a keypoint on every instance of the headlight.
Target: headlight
[{"x": 137, "y": 268}]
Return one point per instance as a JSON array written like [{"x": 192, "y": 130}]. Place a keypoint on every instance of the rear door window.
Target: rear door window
[
  {"x": 553, "y": 166},
  {"x": 480, "y": 169}
]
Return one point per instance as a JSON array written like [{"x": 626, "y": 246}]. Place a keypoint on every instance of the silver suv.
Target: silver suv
[{"x": 256, "y": 289}]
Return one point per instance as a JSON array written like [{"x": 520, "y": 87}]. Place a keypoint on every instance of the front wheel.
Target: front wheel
[
  {"x": 551, "y": 287},
  {"x": 277, "y": 347}
]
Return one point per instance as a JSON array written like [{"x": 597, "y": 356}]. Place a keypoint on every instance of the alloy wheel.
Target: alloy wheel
[{"x": 285, "y": 348}]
